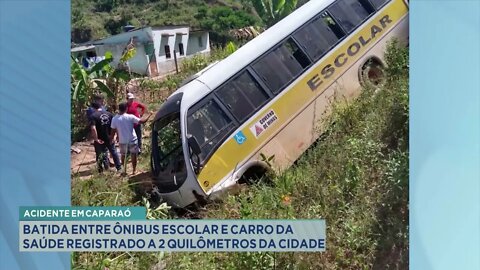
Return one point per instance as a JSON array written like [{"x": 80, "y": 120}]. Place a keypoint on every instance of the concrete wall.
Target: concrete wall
[
  {"x": 138, "y": 64},
  {"x": 117, "y": 44},
  {"x": 198, "y": 42},
  {"x": 169, "y": 66},
  {"x": 171, "y": 36}
]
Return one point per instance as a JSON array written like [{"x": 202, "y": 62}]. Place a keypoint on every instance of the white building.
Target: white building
[{"x": 156, "y": 48}]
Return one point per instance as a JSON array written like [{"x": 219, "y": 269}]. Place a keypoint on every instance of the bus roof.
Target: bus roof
[{"x": 223, "y": 70}]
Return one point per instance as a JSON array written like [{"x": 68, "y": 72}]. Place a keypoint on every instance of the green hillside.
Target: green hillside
[{"x": 94, "y": 19}]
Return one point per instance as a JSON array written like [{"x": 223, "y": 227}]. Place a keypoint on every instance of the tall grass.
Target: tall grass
[{"x": 355, "y": 177}]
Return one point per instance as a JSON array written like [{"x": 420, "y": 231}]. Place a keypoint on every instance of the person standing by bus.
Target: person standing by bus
[
  {"x": 123, "y": 125},
  {"x": 100, "y": 121},
  {"x": 97, "y": 98},
  {"x": 132, "y": 108}
]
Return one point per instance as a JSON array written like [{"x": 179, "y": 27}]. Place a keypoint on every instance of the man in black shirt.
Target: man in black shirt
[{"x": 100, "y": 126}]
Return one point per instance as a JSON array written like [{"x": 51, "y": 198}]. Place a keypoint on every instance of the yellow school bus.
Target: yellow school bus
[{"x": 267, "y": 98}]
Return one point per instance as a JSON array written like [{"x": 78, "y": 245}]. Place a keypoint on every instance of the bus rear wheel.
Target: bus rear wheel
[{"x": 372, "y": 73}]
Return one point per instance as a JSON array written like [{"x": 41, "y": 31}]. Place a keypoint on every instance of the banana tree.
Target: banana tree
[
  {"x": 101, "y": 78},
  {"x": 272, "y": 11},
  {"x": 117, "y": 79},
  {"x": 84, "y": 83}
]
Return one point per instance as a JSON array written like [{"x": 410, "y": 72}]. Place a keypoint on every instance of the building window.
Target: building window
[
  {"x": 91, "y": 54},
  {"x": 180, "y": 49},
  {"x": 168, "y": 55},
  {"x": 200, "y": 42}
]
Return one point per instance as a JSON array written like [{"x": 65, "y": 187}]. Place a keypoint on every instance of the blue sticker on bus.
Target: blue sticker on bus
[{"x": 240, "y": 138}]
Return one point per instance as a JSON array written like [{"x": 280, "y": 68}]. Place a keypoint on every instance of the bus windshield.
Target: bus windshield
[
  {"x": 168, "y": 162},
  {"x": 169, "y": 141}
]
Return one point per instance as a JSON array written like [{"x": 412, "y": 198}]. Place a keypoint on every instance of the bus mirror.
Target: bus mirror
[{"x": 193, "y": 143}]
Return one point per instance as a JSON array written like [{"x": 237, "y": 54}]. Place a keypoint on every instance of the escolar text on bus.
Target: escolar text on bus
[{"x": 342, "y": 58}]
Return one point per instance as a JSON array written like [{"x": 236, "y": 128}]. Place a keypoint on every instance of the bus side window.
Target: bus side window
[
  {"x": 297, "y": 53},
  {"x": 242, "y": 96},
  {"x": 280, "y": 66},
  {"x": 209, "y": 124},
  {"x": 351, "y": 13},
  {"x": 318, "y": 36},
  {"x": 378, "y": 3}
]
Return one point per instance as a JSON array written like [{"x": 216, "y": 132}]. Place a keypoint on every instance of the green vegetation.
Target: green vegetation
[
  {"x": 221, "y": 19},
  {"x": 101, "y": 78},
  {"x": 96, "y": 19},
  {"x": 356, "y": 177},
  {"x": 272, "y": 11}
]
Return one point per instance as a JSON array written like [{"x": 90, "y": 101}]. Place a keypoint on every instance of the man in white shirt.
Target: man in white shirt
[{"x": 122, "y": 125}]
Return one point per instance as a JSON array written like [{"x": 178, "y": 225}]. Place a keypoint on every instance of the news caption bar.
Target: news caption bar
[{"x": 67, "y": 229}]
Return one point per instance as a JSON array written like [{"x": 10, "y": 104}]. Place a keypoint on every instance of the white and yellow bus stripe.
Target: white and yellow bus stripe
[{"x": 301, "y": 93}]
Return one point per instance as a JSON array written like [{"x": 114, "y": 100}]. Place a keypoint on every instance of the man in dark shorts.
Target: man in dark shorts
[{"x": 100, "y": 122}]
